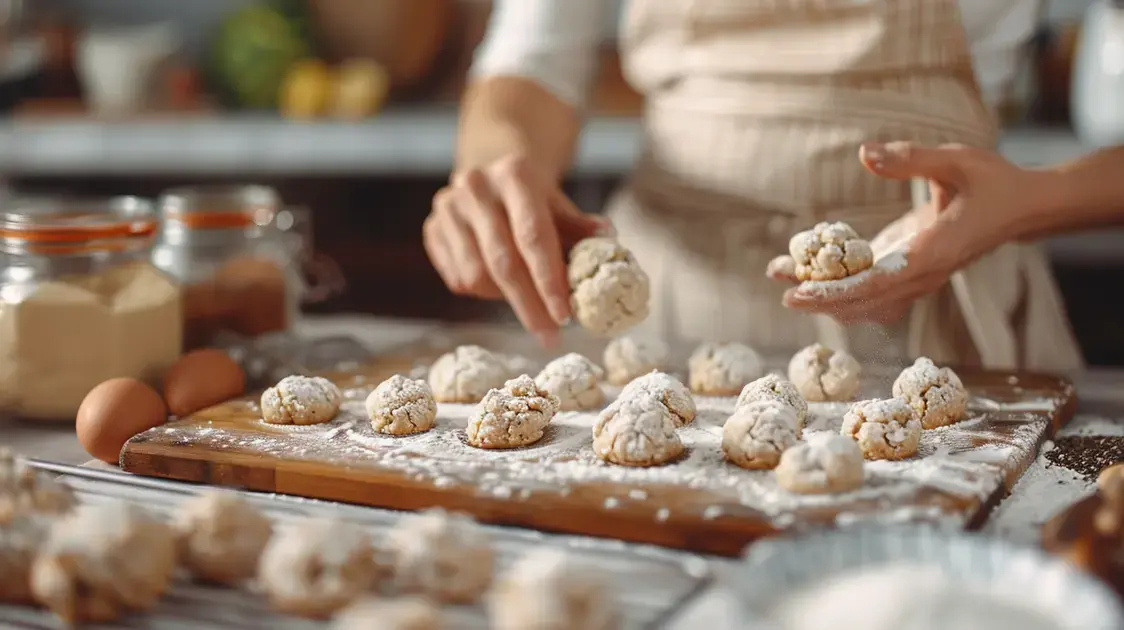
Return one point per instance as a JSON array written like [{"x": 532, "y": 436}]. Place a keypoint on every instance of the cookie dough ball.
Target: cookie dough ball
[
  {"x": 608, "y": 290},
  {"x": 103, "y": 560},
  {"x": 467, "y": 373},
  {"x": 757, "y": 433},
  {"x": 668, "y": 390},
  {"x": 723, "y": 369},
  {"x": 824, "y": 463},
  {"x": 518, "y": 364},
  {"x": 546, "y": 590},
  {"x": 637, "y": 431},
  {"x": 884, "y": 429},
  {"x": 445, "y": 556},
  {"x": 221, "y": 536},
  {"x": 575, "y": 380},
  {"x": 25, "y": 490},
  {"x": 829, "y": 251},
  {"x": 627, "y": 358},
  {"x": 413, "y": 613},
  {"x": 318, "y": 567},
  {"x": 513, "y": 416},
  {"x": 935, "y": 393},
  {"x": 825, "y": 375},
  {"x": 301, "y": 400},
  {"x": 21, "y": 536},
  {"x": 402, "y": 406},
  {"x": 776, "y": 388}
]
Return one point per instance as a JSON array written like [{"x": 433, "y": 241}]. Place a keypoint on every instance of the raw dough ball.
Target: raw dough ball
[
  {"x": 21, "y": 537},
  {"x": 608, "y": 290},
  {"x": 25, "y": 490},
  {"x": 575, "y": 380},
  {"x": 513, "y": 416},
  {"x": 103, "y": 560},
  {"x": 637, "y": 430},
  {"x": 518, "y": 364},
  {"x": 546, "y": 590},
  {"x": 444, "y": 556},
  {"x": 673, "y": 394},
  {"x": 936, "y": 394},
  {"x": 402, "y": 406},
  {"x": 301, "y": 400},
  {"x": 824, "y": 375},
  {"x": 775, "y": 387},
  {"x": 221, "y": 537},
  {"x": 318, "y": 567},
  {"x": 829, "y": 251},
  {"x": 412, "y": 613},
  {"x": 757, "y": 433},
  {"x": 884, "y": 429},
  {"x": 824, "y": 463},
  {"x": 723, "y": 369},
  {"x": 466, "y": 374},
  {"x": 627, "y": 358}
]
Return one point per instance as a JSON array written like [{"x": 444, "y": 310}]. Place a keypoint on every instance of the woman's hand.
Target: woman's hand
[
  {"x": 499, "y": 232},
  {"x": 975, "y": 198}
]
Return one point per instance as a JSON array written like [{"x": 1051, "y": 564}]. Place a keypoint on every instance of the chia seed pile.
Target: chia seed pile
[{"x": 1087, "y": 456}]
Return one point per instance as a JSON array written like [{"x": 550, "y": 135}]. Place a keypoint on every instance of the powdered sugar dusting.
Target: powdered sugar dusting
[{"x": 893, "y": 262}]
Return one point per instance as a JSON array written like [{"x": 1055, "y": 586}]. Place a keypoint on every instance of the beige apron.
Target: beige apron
[{"x": 755, "y": 113}]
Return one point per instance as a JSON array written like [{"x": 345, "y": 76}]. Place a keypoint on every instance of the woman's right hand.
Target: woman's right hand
[{"x": 501, "y": 232}]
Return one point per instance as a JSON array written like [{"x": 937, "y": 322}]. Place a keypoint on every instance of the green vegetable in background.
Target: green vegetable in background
[{"x": 253, "y": 50}]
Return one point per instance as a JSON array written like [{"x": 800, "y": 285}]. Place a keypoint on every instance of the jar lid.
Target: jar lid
[
  {"x": 62, "y": 225},
  {"x": 220, "y": 207}
]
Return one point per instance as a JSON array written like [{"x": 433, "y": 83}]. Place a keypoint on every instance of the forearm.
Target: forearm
[{"x": 1084, "y": 194}]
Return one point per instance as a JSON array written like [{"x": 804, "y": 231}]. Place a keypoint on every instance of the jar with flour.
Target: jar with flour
[{"x": 80, "y": 303}]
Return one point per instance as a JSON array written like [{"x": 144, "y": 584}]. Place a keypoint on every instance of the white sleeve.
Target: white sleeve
[
  {"x": 997, "y": 31},
  {"x": 553, "y": 42}
]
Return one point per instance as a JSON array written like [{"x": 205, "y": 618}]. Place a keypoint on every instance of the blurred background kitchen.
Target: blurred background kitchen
[{"x": 346, "y": 108}]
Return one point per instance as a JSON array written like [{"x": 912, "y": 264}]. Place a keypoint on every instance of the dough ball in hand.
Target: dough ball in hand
[
  {"x": 935, "y": 393},
  {"x": 317, "y": 567},
  {"x": 444, "y": 556},
  {"x": 408, "y": 613},
  {"x": 824, "y": 463},
  {"x": 546, "y": 590},
  {"x": 25, "y": 490},
  {"x": 883, "y": 429},
  {"x": 21, "y": 536},
  {"x": 829, "y": 251},
  {"x": 609, "y": 291},
  {"x": 402, "y": 406},
  {"x": 637, "y": 430},
  {"x": 575, "y": 380},
  {"x": 775, "y": 388},
  {"x": 103, "y": 560},
  {"x": 668, "y": 390},
  {"x": 514, "y": 416},
  {"x": 757, "y": 433},
  {"x": 467, "y": 373},
  {"x": 302, "y": 400},
  {"x": 221, "y": 537},
  {"x": 627, "y": 358},
  {"x": 723, "y": 369},
  {"x": 825, "y": 375}
]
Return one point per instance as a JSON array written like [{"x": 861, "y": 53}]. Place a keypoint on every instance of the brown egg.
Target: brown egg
[
  {"x": 115, "y": 411},
  {"x": 201, "y": 379}
]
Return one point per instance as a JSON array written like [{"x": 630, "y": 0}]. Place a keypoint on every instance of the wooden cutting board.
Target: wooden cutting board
[{"x": 698, "y": 503}]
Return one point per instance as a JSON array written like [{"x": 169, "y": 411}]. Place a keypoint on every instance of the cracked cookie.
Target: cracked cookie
[
  {"x": 512, "y": 416},
  {"x": 467, "y": 373},
  {"x": 935, "y": 393},
  {"x": 575, "y": 380},
  {"x": 609, "y": 291},
  {"x": 883, "y": 429},
  {"x": 627, "y": 358},
  {"x": 723, "y": 369},
  {"x": 667, "y": 390},
  {"x": 758, "y": 432},
  {"x": 302, "y": 400},
  {"x": 637, "y": 430},
  {"x": 825, "y": 375},
  {"x": 829, "y": 251},
  {"x": 777, "y": 388},
  {"x": 25, "y": 490},
  {"x": 401, "y": 406},
  {"x": 824, "y": 463}
]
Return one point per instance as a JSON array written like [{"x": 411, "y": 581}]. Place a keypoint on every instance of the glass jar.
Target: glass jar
[
  {"x": 80, "y": 303},
  {"x": 238, "y": 269}
]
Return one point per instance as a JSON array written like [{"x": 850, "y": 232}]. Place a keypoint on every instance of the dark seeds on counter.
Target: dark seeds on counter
[{"x": 1087, "y": 456}]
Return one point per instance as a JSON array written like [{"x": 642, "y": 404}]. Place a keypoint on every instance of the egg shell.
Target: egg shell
[
  {"x": 115, "y": 411},
  {"x": 201, "y": 379}
]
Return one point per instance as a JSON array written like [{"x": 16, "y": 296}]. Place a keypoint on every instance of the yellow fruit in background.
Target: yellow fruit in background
[
  {"x": 306, "y": 90},
  {"x": 360, "y": 89}
]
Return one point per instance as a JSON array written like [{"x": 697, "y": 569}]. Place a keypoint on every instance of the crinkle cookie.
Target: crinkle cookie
[
  {"x": 627, "y": 358},
  {"x": 575, "y": 380},
  {"x": 723, "y": 369},
  {"x": 407, "y": 613},
  {"x": 442, "y": 555},
  {"x": 514, "y": 416},
  {"x": 884, "y": 429},
  {"x": 221, "y": 536},
  {"x": 637, "y": 430},
  {"x": 609, "y": 291},
  {"x": 467, "y": 373},
  {"x": 935, "y": 393},
  {"x": 25, "y": 490},
  {"x": 829, "y": 251},
  {"x": 401, "y": 406},
  {"x": 668, "y": 390},
  {"x": 547, "y": 590},
  {"x": 758, "y": 432},
  {"x": 778, "y": 388},
  {"x": 825, "y": 375},
  {"x": 302, "y": 400},
  {"x": 21, "y": 536},
  {"x": 824, "y": 463}
]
